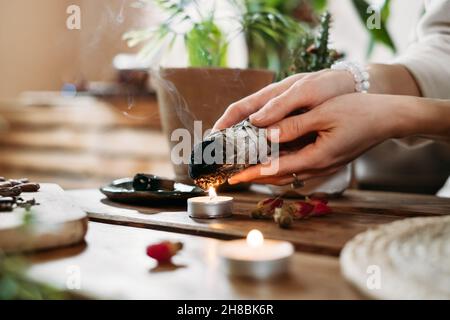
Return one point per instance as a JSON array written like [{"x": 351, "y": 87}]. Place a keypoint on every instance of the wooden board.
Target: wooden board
[
  {"x": 68, "y": 141},
  {"x": 56, "y": 222},
  {"x": 355, "y": 212},
  {"x": 113, "y": 264}
]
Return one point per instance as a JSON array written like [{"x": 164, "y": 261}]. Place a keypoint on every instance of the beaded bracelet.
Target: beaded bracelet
[{"x": 360, "y": 75}]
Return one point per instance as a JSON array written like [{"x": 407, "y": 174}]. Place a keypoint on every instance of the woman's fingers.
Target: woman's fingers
[
  {"x": 308, "y": 158},
  {"x": 276, "y": 180},
  {"x": 241, "y": 109},
  {"x": 299, "y": 95},
  {"x": 307, "y": 92},
  {"x": 294, "y": 127},
  {"x": 302, "y": 176}
]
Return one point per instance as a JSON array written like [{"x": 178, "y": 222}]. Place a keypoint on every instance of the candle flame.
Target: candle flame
[
  {"x": 255, "y": 238},
  {"x": 212, "y": 192}
]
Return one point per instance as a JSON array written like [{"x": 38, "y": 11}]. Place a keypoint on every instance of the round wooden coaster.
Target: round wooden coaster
[{"x": 406, "y": 259}]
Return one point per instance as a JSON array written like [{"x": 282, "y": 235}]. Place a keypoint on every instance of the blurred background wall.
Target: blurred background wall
[{"x": 38, "y": 52}]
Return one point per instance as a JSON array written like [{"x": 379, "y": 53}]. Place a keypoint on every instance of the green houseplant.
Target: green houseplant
[
  {"x": 207, "y": 87},
  {"x": 284, "y": 36},
  {"x": 270, "y": 28}
]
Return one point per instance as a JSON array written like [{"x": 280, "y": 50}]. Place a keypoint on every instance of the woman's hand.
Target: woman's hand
[
  {"x": 276, "y": 101},
  {"x": 346, "y": 127}
]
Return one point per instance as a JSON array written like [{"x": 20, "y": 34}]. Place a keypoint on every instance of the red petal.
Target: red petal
[
  {"x": 302, "y": 209},
  {"x": 266, "y": 201},
  {"x": 321, "y": 209},
  {"x": 268, "y": 206},
  {"x": 160, "y": 252}
]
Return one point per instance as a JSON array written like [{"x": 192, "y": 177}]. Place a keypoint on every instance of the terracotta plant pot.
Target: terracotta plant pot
[{"x": 186, "y": 95}]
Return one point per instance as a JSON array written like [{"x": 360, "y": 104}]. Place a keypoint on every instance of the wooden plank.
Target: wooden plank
[
  {"x": 120, "y": 143},
  {"x": 81, "y": 142},
  {"x": 113, "y": 264},
  {"x": 65, "y": 181},
  {"x": 394, "y": 201},
  {"x": 81, "y": 165},
  {"x": 56, "y": 222},
  {"x": 326, "y": 235},
  {"x": 83, "y": 112},
  {"x": 378, "y": 202}
]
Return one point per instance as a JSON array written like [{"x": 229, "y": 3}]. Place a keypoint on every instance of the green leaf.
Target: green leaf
[
  {"x": 206, "y": 45},
  {"x": 319, "y": 5},
  {"x": 380, "y": 35},
  {"x": 385, "y": 11}
]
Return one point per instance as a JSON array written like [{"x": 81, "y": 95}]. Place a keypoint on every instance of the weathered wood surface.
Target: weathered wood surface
[
  {"x": 56, "y": 222},
  {"x": 55, "y": 111},
  {"x": 354, "y": 213},
  {"x": 377, "y": 202},
  {"x": 81, "y": 142},
  {"x": 113, "y": 264}
]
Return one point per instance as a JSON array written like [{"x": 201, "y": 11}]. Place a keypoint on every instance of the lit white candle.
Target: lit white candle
[
  {"x": 256, "y": 257},
  {"x": 211, "y": 206}
]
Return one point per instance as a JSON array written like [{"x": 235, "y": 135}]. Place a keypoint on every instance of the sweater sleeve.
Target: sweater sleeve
[{"x": 428, "y": 57}]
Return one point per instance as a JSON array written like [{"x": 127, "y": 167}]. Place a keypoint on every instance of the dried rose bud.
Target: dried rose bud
[
  {"x": 303, "y": 209},
  {"x": 266, "y": 208},
  {"x": 300, "y": 209},
  {"x": 164, "y": 251},
  {"x": 283, "y": 217},
  {"x": 321, "y": 209}
]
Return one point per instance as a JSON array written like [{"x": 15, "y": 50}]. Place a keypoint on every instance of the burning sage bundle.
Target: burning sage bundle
[{"x": 223, "y": 153}]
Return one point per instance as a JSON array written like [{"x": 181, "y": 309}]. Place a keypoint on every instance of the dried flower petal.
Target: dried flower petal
[
  {"x": 301, "y": 209},
  {"x": 283, "y": 217},
  {"x": 321, "y": 209},
  {"x": 266, "y": 208},
  {"x": 164, "y": 251}
]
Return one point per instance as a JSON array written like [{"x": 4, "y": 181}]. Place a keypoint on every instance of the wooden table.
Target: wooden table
[{"x": 113, "y": 263}]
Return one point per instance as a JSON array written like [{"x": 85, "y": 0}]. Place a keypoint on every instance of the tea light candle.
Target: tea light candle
[
  {"x": 211, "y": 206},
  {"x": 255, "y": 257}
]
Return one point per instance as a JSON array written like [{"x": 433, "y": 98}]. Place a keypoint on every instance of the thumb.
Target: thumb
[{"x": 294, "y": 127}]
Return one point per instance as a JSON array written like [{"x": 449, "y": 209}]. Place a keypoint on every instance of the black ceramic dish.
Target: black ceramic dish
[{"x": 121, "y": 190}]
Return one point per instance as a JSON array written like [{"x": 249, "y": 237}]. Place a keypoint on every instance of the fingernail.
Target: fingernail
[{"x": 233, "y": 180}]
